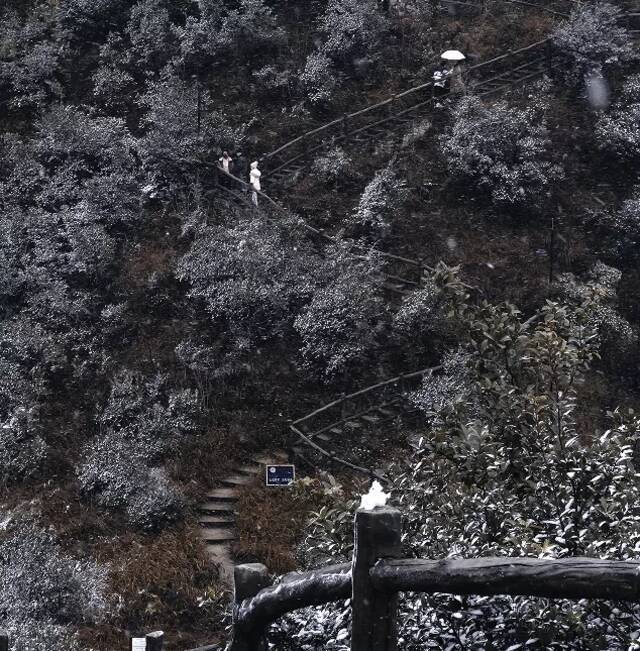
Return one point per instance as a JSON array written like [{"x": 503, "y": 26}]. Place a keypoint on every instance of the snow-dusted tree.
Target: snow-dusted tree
[
  {"x": 618, "y": 339},
  {"x": 618, "y": 131},
  {"x": 171, "y": 123},
  {"x": 73, "y": 148},
  {"x": 22, "y": 449},
  {"x": 251, "y": 30},
  {"x": 68, "y": 244},
  {"x": 89, "y": 21},
  {"x": 319, "y": 79},
  {"x": 252, "y": 278},
  {"x": 342, "y": 324},
  {"x": 152, "y": 38},
  {"x": 142, "y": 422},
  {"x": 31, "y": 60},
  {"x": 275, "y": 82},
  {"x": 224, "y": 36},
  {"x": 353, "y": 29},
  {"x": 380, "y": 201},
  {"x": 47, "y": 594},
  {"x": 621, "y": 235},
  {"x": 21, "y": 175},
  {"x": 502, "y": 151},
  {"x": 422, "y": 315},
  {"x": 593, "y": 37},
  {"x": 507, "y": 467},
  {"x": 334, "y": 166},
  {"x": 114, "y": 90}
]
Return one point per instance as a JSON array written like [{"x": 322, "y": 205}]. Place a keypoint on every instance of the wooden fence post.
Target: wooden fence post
[
  {"x": 391, "y": 106},
  {"x": 248, "y": 580},
  {"x": 155, "y": 641},
  {"x": 376, "y": 536},
  {"x": 345, "y": 124},
  {"x": 4, "y": 641}
]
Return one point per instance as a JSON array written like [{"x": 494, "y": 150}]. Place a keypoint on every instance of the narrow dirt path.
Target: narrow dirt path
[{"x": 216, "y": 514}]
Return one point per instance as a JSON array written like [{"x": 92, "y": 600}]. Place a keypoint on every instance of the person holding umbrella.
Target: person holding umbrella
[{"x": 454, "y": 58}]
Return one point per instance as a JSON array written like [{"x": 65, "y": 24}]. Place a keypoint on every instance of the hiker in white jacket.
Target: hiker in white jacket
[{"x": 254, "y": 180}]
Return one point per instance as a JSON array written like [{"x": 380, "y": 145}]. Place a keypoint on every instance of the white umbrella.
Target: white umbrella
[{"x": 453, "y": 55}]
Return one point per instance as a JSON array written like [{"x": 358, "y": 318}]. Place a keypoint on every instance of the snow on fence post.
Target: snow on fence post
[
  {"x": 4, "y": 641},
  {"x": 248, "y": 580},
  {"x": 376, "y": 536}
]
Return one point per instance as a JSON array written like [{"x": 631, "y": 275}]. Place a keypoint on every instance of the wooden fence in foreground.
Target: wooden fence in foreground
[{"x": 377, "y": 574}]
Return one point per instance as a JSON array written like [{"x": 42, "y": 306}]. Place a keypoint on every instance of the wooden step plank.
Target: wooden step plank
[
  {"x": 336, "y": 431},
  {"x": 370, "y": 418}
]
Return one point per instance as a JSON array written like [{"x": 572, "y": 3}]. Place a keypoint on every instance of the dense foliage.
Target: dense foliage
[
  {"x": 594, "y": 38},
  {"x": 45, "y": 589},
  {"x": 506, "y": 467},
  {"x": 502, "y": 151},
  {"x": 157, "y": 329}
]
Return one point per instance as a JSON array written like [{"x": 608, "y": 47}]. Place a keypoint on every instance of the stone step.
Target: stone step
[
  {"x": 216, "y": 507},
  {"x": 279, "y": 456},
  {"x": 398, "y": 287},
  {"x": 218, "y": 535},
  {"x": 324, "y": 437},
  {"x": 212, "y": 521},
  {"x": 336, "y": 431},
  {"x": 250, "y": 469},
  {"x": 370, "y": 418},
  {"x": 237, "y": 480},
  {"x": 224, "y": 494}
]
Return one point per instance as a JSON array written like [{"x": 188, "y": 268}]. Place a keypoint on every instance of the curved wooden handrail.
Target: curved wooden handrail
[
  {"x": 308, "y": 589},
  {"x": 307, "y": 438},
  {"x": 387, "y": 102},
  {"x": 542, "y": 44},
  {"x": 369, "y": 389},
  {"x": 358, "y": 251},
  {"x": 332, "y": 457},
  {"x": 562, "y": 578}
]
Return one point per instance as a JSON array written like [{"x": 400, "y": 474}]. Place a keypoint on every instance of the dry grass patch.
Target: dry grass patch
[{"x": 271, "y": 523}]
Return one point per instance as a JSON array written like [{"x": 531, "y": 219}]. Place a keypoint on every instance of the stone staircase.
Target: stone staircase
[{"x": 216, "y": 513}]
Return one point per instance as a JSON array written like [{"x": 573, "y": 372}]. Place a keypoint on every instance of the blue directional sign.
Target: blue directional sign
[{"x": 280, "y": 475}]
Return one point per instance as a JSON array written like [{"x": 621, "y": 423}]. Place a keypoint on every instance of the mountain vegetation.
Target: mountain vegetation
[{"x": 155, "y": 331}]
